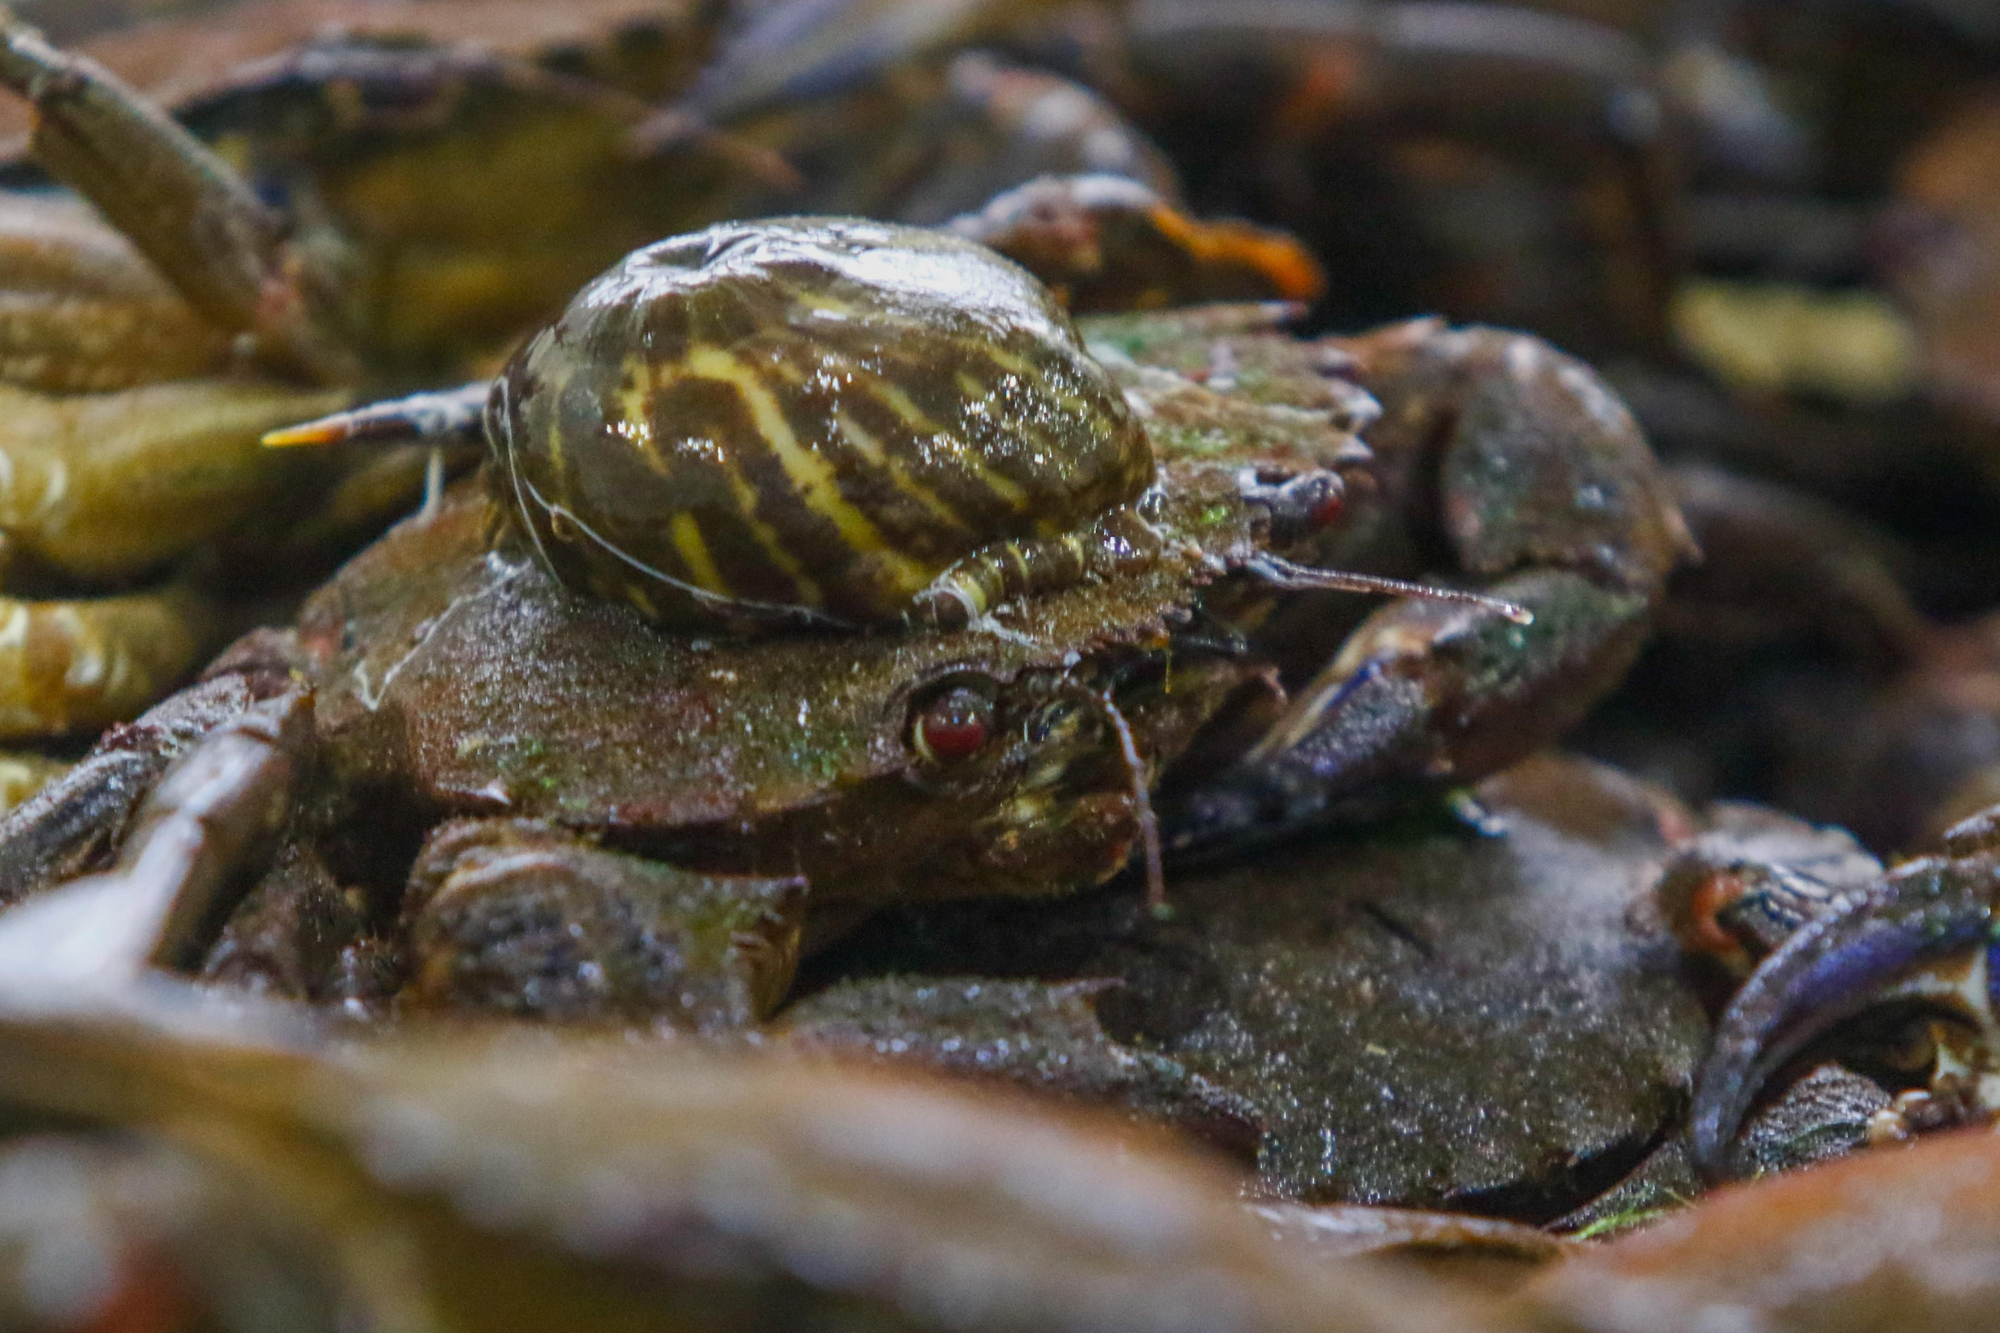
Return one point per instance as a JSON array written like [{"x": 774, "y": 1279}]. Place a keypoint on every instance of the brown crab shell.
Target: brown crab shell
[{"x": 451, "y": 667}]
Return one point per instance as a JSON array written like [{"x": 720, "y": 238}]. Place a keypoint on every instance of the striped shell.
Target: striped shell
[{"x": 806, "y": 419}]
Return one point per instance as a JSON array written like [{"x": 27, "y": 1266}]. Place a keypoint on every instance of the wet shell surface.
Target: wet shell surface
[{"x": 805, "y": 420}]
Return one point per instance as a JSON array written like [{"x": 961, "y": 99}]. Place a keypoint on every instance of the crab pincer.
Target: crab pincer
[
  {"x": 1921, "y": 939},
  {"x": 1536, "y": 481}
]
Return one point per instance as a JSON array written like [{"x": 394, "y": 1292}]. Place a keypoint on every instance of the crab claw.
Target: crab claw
[{"x": 1924, "y": 933}]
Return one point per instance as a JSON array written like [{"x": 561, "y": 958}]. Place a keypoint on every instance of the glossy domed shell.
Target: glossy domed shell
[{"x": 805, "y": 420}]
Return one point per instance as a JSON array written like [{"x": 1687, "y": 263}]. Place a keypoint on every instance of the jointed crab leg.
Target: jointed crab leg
[
  {"x": 207, "y": 824},
  {"x": 75, "y": 824},
  {"x": 180, "y": 203},
  {"x": 81, "y": 665}
]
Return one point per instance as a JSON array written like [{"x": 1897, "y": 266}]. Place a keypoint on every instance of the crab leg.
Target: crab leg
[
  {"x": 80, "y": 665},
  {"x": 179, "y": 202},
  {"x": 101, "y": 486},
  {"x": 214, "y": 815},
  {"x": 720, "y": 950},
  {"x": 1425, "y": 696},
  {"x": 77, "y": 823},
  {"x": 1923, "y": 934}
]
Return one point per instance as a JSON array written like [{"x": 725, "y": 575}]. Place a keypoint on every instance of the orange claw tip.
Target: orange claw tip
[
  {"x": 1280, "y": 260},
  {"x": 443, "y": 417},
  {"x": 327, "y": 430}
]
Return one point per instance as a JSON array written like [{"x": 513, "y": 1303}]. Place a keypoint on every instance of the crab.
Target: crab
[
  {"x": 1898, "y": 970},
  {"x": 149, "y": 356},
  {"x": 1016, "y": 755},
  {"x": 1394, "y": 137},
  {"x": 455, "y": 679}
]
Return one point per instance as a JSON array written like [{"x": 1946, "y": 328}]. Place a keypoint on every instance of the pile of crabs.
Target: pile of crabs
[{"x": 736, "y": 666}]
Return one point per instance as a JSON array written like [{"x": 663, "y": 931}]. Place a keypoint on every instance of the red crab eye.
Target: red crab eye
[{"x": 952, "y": 725}]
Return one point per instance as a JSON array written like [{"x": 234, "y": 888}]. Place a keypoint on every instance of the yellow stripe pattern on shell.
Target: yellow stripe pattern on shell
[{"x": 813, "y": 420}]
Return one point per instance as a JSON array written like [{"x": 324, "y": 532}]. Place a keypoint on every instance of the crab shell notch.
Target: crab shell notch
[{"x": 810, "y": 420}]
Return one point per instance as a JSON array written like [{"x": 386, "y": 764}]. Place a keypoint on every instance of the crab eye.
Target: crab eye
[{"x": 952, "y": 725}]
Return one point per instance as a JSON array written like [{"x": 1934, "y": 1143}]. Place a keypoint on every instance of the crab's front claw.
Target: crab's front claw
[
  {"x": 519, "y": 917},
  {"x": 1544, "y": 494},
  {"x": 1423, "y": 697},
  {"x": 1923, "y": 935}
]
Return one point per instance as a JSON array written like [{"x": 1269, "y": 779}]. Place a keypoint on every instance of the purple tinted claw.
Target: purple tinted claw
[
  {"x": 1921, "y": 933},
  {"x": 1425, "y": 696}
]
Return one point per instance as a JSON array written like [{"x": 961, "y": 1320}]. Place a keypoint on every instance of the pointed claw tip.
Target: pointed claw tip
[
  {"x": 311, "y": 433},
  {"x": 1520, "y": 615}
]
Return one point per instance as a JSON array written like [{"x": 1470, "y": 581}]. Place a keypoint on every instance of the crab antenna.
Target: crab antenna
[
  {"x": 1282, "y": 573},
  {"x": 451, "y": 416},
  {"x": 1142, "y": 803}
]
